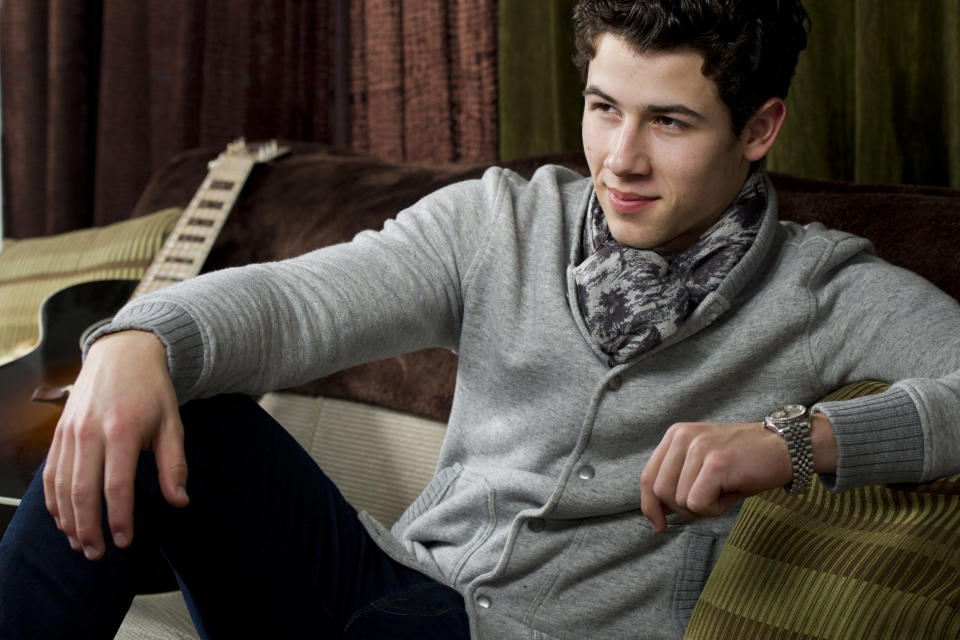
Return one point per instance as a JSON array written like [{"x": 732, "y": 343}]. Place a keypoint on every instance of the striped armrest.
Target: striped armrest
[
  {"x": 873, "y": 563},
  {"x": 33, "y": 269}
]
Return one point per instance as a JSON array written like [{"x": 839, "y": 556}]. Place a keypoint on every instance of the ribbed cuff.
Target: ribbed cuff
[
  {"x": 176, "y": 330},
  {"x": 879, "y": 440}
]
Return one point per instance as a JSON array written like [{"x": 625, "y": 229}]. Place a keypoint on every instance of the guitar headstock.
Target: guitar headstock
[{"x": 256, "y": 151}]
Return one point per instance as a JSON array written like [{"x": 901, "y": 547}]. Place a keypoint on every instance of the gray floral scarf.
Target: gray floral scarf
[{"x": 633, "y": 299}]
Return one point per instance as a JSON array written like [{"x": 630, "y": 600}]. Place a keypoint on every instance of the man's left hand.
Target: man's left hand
[{"x": 700, "y": 469}]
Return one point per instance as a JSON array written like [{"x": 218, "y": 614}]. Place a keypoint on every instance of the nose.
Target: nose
[{"x": 629, "y": 155}]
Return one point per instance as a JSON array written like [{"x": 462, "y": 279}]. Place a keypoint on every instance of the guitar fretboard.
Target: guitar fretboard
[{"x": 188, "y": 245}]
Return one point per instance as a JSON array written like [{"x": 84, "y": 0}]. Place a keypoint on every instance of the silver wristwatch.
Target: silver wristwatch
[{"x": 792, "y": 422}]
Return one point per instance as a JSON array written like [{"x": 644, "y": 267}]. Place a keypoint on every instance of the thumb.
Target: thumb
[{"x": 172, "y": 462}]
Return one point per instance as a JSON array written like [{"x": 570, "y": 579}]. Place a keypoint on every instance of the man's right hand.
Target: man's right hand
[{"x": 122, "y": 403}]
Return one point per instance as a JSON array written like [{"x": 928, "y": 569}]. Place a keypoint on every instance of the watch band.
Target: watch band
[{"x": 792, "y": 422}]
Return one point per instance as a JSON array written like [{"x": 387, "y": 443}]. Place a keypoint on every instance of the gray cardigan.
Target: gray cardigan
[{"x": 534, "y": 512}]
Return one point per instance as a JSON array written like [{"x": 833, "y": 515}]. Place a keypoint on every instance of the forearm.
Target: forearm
[
  {"x": 883, "y": 323},
  {"x": 275, "y": 325}
]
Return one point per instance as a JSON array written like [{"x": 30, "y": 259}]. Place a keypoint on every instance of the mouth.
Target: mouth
[{"x": 627, "y": 203}]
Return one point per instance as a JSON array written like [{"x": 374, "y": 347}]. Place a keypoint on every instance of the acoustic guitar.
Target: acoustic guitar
[{"x": 34, "y": 386}]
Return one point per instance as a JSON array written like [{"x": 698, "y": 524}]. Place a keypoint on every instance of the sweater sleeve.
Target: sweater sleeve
[
  {"x": 274, "y": 325},
  {"x": 875, "y": 321}
]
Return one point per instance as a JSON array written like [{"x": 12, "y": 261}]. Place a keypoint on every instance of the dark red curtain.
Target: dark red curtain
[
  {"x": 424, "y": 79},
  {"x": 98, "y": 94}
]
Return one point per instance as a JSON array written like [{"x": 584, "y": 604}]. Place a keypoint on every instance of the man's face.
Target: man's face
[{"x": 660, "y": 145}]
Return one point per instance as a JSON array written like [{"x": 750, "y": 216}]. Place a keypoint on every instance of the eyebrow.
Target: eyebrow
[{"x": 654, "y": 109}]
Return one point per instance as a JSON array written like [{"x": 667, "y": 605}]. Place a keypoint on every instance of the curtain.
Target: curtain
[
  {"x": 424, "y": 79},
  {"x": 101, "y": 93},
  {"x": 876, "y": 96},
  {"x": 540, "y": 89}
]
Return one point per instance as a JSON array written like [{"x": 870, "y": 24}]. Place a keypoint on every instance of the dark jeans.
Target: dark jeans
[{"x": 267, "y": 548}]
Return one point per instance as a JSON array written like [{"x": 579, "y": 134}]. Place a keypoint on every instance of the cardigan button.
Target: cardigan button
[
  {"x": 484, "y": 602},
  {"x": 586, "y": 472},
  {"x": 536, "y": 525},
  {"x": 614, "y": 383}
]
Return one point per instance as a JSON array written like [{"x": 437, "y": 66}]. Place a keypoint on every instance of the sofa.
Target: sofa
[{"x": 877, "y": 562}]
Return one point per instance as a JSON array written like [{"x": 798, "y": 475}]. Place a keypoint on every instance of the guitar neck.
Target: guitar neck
[{"x": 188, "y": 245}]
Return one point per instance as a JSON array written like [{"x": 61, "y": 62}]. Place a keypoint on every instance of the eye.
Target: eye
[
  {"x": 602, "y": 107},
  {"x": 670, "y": 123}
]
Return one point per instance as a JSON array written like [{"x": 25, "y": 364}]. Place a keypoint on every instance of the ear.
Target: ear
[{"x": 762, "y": 129}]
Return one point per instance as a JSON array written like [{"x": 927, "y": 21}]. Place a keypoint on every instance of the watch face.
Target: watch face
[{"x": 789, "y": 412}]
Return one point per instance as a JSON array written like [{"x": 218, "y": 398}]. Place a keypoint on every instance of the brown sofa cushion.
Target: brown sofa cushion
[
  {"x": 911, "y": 226},
  {"x": 318, "y": 196}
]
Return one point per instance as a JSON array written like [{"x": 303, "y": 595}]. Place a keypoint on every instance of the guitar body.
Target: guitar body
[{"x": 26, "y": 425}]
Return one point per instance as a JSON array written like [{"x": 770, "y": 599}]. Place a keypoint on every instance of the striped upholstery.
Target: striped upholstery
[
  {"x": 380, "y": 459},
  {"x": 873, "y": 563},
  {"x": 33, "y": 269}
]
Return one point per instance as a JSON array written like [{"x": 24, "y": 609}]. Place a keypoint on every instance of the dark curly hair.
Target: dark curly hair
[{"x": 750, "y": 47}]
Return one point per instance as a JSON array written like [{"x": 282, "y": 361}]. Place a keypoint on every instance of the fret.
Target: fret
[
  {"x": 186, "y": 248},
  {"x": 150, "y": 287},
  {"x": 180, "y": 272}
]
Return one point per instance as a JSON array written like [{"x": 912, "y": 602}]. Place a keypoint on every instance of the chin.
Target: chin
[
  {"x": 634, "y": 240},
  {"x": 629, "y": 233}
]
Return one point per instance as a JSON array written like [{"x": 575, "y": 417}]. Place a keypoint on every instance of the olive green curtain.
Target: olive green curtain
[
  {"x": 876, "y": 97},
  {"x": 539, "y": 88}
]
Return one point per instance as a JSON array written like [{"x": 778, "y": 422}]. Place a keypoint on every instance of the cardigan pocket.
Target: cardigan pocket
[
  {"x": 700, "y": 556},
  {"x": 450, "y": 520}
]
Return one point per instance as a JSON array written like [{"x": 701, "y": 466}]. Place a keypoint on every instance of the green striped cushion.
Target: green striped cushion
[
  {"x": 875, "y": 562},
  {"x": 33, "y": 269}
]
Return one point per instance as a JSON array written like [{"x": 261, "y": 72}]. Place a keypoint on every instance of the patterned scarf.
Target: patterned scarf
[{"x": 633, "y": 299}]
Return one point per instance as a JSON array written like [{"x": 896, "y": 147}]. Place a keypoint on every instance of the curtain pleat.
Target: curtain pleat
[
  {"x": 49, "y": 104},
  {"x": 428, "y": 118},
  {"x": 876, "y": 97},
  {"x": 474, "y": 86},
  {"x": 377, "y": 78},
  {"x": 423, "y": 80},
  {"x": 540, "y": 89},
  {"x": 99, "y": 94}
]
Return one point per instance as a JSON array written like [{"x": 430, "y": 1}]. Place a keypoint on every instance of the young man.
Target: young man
[{"x": 621, "y": 338}]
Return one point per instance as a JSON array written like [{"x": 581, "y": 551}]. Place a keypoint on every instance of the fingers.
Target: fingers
[
  {"x": 87, "y": 459},
  {"x": 123, "y": 446},
  {"x": 121, "y": 403},
  {"x": 85, "y": 483},
  {"x": 120, "y": 468},
  {"x": 62, "y": 480},
  {"x": 700, "y": 469},
  {"x": 680, "y": 470},
  {"x": 172, "y": 462},
  {"x": 72, "y": 479},
  {"x": 655, "y": 511},
  {"x": 49, "y": 478}
]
